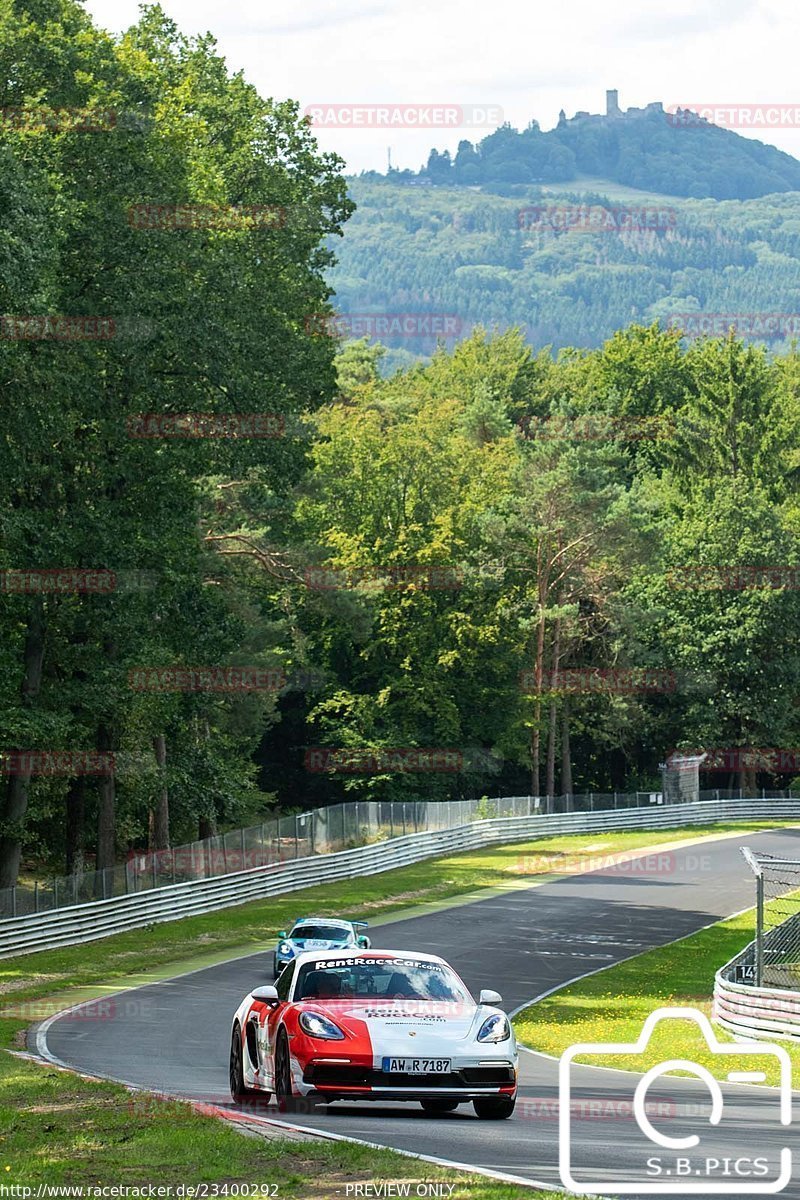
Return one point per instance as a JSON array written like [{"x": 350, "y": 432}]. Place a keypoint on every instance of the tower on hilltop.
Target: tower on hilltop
[{"x": 612, "y": 103}]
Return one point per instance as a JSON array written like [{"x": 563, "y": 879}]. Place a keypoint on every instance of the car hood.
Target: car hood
[{"x": 392, "y": 1023}]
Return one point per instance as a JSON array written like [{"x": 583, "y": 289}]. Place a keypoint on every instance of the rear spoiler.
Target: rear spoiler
[{"x": 360, "y": 924}]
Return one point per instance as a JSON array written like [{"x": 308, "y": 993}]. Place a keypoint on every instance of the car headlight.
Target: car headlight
[
  {"x": 494, "y": 1029},
  {"x": 285, "y": 948},
  {"x": 320, "y": 1027}
]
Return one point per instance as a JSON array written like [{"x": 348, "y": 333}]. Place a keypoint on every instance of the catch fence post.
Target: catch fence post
[{"x": 759, "y": 930}]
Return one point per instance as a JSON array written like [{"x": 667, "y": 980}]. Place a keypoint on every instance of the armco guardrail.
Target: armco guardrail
[
  {"x": 87, "y": 922},
  {"x": 752, "y": 1012}
]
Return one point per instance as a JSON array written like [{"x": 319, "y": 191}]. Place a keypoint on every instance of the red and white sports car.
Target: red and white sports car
[{"x": 373, "y": 1025}]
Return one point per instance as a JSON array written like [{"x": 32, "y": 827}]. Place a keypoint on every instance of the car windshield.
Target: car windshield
[
  {"x": 392, "y": 979},
  {"x": 321, "y": 933}
]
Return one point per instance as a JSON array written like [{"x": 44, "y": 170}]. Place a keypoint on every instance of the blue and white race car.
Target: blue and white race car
[{"x": 318, "y": 933}]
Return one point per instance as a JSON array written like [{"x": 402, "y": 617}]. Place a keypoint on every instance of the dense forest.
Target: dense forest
[
  {"x": 651, "y": 149},
  {"x": 240, "y": 566},
  {"x": 535, "y": 261}
]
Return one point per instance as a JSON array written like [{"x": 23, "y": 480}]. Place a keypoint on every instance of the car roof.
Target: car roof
[
  {"x": 354, "y": 955},
  {"x": 327, "y": 920}
]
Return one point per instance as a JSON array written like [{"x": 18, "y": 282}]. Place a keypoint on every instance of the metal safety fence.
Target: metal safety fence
[
  {"x": 757, "y": 993},
  {"x": 284, "y": 839},
  {"x": 319, "y": 831},
  {"x": 474, "y": 824}
]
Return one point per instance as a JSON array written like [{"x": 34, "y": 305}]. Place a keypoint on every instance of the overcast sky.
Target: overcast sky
[{"x": 528, "y": 59}]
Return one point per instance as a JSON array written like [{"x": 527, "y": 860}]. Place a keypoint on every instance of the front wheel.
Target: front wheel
[
  {"x": 287, "y": 1101},
  {"x": 494, "y": 1108},
  {"x": 435, "y": 1105}
]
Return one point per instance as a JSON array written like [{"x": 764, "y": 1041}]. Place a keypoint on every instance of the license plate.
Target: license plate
[{"x": 417, "y": 1066}]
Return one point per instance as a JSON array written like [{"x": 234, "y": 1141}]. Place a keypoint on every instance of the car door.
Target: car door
[{"x": 269, "y": 1024}]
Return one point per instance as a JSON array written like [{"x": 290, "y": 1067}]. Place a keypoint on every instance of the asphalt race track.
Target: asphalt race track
[{"x": 173, "y": 1036}]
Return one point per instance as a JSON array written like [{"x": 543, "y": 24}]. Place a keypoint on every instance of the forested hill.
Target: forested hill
[
  {"x": 467, "y": 253},
  {"x": 644, "y": 148}
]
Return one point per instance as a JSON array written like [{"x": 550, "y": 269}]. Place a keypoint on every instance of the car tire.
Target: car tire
[
  {"x": 285, "y": 1098},
  {"x": 494, "y": 1108},
  {"x": 436, "y": 1105},
  {"x": 240, "y": 1093}
]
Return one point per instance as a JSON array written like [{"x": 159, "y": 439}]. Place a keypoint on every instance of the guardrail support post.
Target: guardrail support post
[
  {"x": 296, "y": 837},
  {"x": 404, "y": 818},
  {"x": 173, "y": 864},
  {"x": 13, "y": 901},
  {"x": 55, "y": 891},
  {"x": 36, "y": 895}
]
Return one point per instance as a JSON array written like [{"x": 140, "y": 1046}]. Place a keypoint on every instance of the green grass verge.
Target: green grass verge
[
  {"x": 612, "y": 1005},
  {"x": 60, "y": 1129}
]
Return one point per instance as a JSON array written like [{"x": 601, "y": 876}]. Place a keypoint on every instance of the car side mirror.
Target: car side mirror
[
  {"x": 267, "y": 994},
  {"x": 487, "y": 996},
  {"x": 364, "y": 943},
  {"x": 282, "y": 933}
]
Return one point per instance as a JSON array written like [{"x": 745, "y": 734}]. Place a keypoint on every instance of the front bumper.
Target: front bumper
[{"x": 367, "y": 1083}]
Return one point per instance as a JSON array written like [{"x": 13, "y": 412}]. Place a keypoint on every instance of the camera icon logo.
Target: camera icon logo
[{"x": 683, "y": 1166}]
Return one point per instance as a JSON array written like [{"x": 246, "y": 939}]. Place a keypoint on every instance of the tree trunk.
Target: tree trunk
[
  {"x": 551, "y": 735},
  {"x": 159, "y": 830},
  {"x": 747, "y": 780},
  {"x": 207, "y": 828},
  {"x": 566, "y": 752},
  {"x": 15, "y": 801},
  {"x": 106, "y": 809},
  {"x": 76, "y": 822},
  {"x": 536, "y": 733}
]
